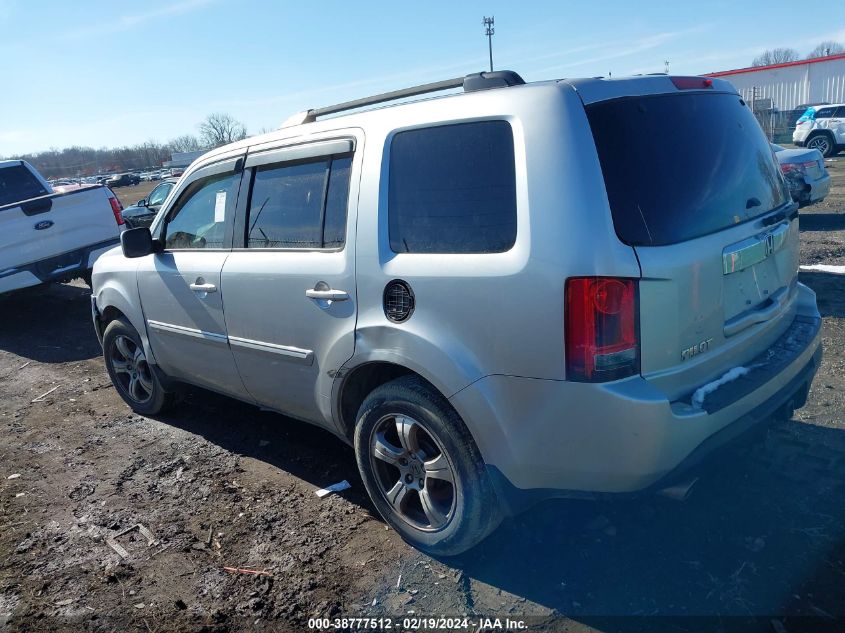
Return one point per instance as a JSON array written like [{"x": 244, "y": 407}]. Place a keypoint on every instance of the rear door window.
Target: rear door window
[
  {"x": 452, "y": 189},
  {"x": 17, "y": 183},
  {"x": 681, "y": 166},
  {"x": 299, "y": 204},
  {"x": 824, "y": 113}
]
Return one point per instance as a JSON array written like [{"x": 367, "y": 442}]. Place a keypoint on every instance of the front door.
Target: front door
[
  {"x": 289, "y": 283},
  {"x": 180, "y": 287}
]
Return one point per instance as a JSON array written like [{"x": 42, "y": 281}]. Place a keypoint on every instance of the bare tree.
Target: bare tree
[
  {"x": 776, "y": 56},
  {"x": 826, "y": 48},
  {"x": 220, "y": 129},
  {"x": 185, "y": 143}
]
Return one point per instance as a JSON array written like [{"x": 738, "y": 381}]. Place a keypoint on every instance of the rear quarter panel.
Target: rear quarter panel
[{"x": 497, "y": 313}]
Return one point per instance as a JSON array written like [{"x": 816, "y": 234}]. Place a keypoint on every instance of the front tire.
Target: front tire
[
  {"x": 422, "y": 468},
  {"x": 132, "y": 376}
]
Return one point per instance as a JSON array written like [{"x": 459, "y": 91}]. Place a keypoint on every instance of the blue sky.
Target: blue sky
[{"x": 117, "y": 73}]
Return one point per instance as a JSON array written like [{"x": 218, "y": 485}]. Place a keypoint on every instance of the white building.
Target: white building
[
  {"x": 789, "y": 85},
  {"x": 183, "y": 159}
]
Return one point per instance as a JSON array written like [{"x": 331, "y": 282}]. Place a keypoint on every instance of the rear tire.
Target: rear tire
[
  {"x": 132, "y": 376},
  {"x": 422, "y": 468},
  {"x": 823, "y": 143}
]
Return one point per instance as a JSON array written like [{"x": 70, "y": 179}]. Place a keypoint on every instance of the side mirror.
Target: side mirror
[
  {"x": 141, "y": 203},
  {"x": 137, "y": 242}
]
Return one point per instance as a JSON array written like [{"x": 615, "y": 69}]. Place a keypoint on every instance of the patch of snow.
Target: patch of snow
[
  {"x": 825, "y": 268},
  {"x": 702, "y": 392}
]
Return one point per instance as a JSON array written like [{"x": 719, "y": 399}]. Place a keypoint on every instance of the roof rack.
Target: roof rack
[{"x": 470, "y": 83}]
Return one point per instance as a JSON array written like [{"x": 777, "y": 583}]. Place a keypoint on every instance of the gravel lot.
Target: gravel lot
[{"x": 219, "y": 484}]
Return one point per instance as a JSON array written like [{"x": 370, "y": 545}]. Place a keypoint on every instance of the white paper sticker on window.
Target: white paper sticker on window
[{"x": 220, "y": 207}]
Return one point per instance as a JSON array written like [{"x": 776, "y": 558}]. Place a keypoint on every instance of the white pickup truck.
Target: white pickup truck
[{"x": 47, "y": 236}]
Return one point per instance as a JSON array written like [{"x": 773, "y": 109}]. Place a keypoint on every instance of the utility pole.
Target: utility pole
[{"x": 488, "y": 24}]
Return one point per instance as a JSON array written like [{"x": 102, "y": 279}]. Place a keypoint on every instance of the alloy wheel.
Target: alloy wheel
[
  {"x": 413, "y": 472},
  {"x": 820, "y": 143},
  {"x": 131, "y": 369}
]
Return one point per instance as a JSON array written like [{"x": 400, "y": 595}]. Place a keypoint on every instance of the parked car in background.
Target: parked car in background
[
  {"x": 378, "y": 290},
  {"x": 821, "y": 128},
  {"x": 143, "y": 212},
  {"x": 122, "y": 180},
  {"x": 48, "y": 235},
  {"x": 805, "y": 173}
]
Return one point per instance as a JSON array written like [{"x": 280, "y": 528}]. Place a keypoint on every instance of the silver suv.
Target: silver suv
[{"x": 515, "y": 292}]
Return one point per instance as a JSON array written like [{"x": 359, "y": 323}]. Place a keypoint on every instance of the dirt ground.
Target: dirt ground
[
  {"x": 130, "y": 195},
  {"x": 759, "y": 545}
]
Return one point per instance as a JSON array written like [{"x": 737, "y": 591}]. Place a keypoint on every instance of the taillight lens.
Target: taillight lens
[
  {"x": 601, "y": 328},
  {"x": 692, "y": 83},
  {"x": 791, "y": 168},
  {"x": 117, "y": 209}
]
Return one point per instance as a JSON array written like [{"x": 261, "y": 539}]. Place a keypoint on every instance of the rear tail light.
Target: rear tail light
[
  {"x": 809, "y": 163},
  {"x": 117, "y": 209},
  {"x": 792, "y": 168},
  {"x": 601, "y": 328}
]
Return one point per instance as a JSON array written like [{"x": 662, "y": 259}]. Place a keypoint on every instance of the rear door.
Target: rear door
[
  {"x": 180, "y": 287},
  {"x": 289, "y": 285},
  {"x": 694, "y": 187}
]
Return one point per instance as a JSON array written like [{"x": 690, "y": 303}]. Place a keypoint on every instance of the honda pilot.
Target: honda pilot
[{"x": 500, "y": 294}]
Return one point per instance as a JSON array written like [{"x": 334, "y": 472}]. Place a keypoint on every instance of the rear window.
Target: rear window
[
  {"x": 809, "y": 115},
  {"x": 681, "y": 166},
  {"x": 17, "y": 183}
]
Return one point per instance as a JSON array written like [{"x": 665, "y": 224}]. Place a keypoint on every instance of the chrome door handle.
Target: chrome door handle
[
  {"x": 327, "y": 295},
  {"x": 203, "y": 287}
]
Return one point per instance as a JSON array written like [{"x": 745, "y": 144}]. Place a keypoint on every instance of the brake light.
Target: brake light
[
  {"x": 789, "y": 168},
  {"x": 117, "y": 209},
  {"x": 601, "y": 329},
  {"x": 692, "y": 83},
  {"x": 809, "y": 163}
]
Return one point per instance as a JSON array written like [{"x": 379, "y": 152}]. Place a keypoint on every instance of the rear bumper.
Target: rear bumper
[
  {"x": 798, "y": 138},
  {"x": 54, "y": 268},
  {"x": 818, "y": 189},
  {"x": 806, "y": 190},
  {"x": 543, "y": 438}
]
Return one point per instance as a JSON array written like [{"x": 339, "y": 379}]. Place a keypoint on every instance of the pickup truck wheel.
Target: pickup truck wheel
[
  {"x": 422, "y": 468},
  {"x": 131, "y": 374},
  {"x": 823, "y": 143}
]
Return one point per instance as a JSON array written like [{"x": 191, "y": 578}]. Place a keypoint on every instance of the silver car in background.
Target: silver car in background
[
  {"x": 805, "y": 174},
  {"x": 520, "y": 291}
]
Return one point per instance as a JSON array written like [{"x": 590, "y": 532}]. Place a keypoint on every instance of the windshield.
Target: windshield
[{"x": 681, "y": 166}]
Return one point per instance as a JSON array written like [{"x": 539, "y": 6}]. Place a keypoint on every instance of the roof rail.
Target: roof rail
[{"x": 470, "y": 83}]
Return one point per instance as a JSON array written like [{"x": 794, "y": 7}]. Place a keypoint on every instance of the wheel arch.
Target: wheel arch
[
  {"x": 112, "y": 302},
  {"x": 817, "y": 133},
  {"x": 383, "y": 353}
]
